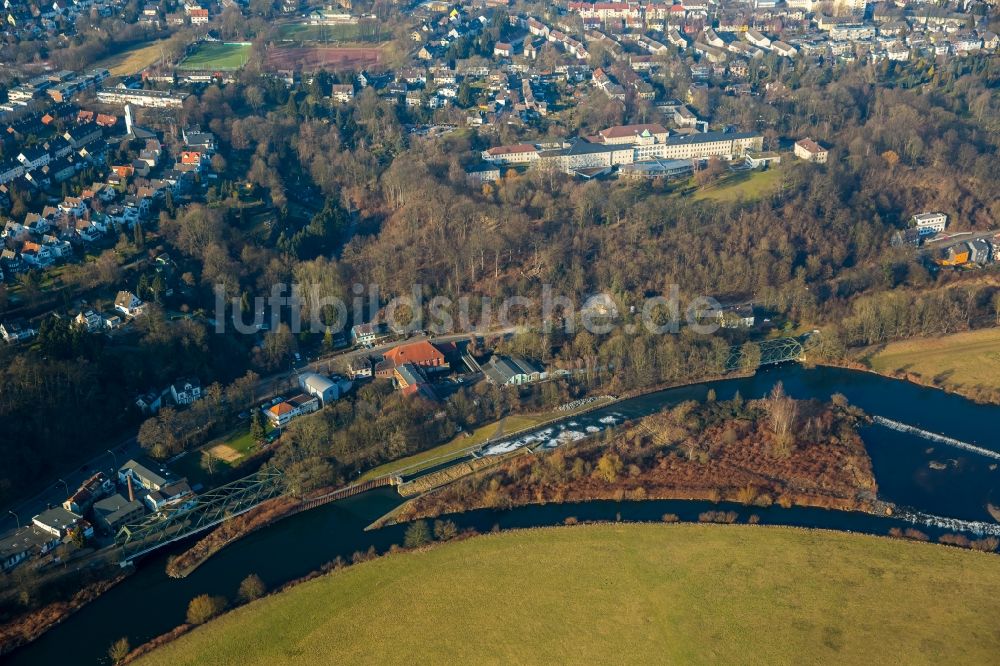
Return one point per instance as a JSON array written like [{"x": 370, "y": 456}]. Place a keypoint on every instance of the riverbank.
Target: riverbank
[
  {"x": 779, "y": 593},
  {"x": 757, "y": 453},
  {"x": 31, "y": 625},
  {"x": 965, "y": 364},
  {"x": 226, "y": 533},
  {"x": 291, "y": 548}
]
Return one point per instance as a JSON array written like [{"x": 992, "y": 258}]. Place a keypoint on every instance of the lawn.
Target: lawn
[
  {"x": 133, "y": 60},
  {"x": 216, "y": 56},
  {"x": 456, "y": 447},
  {"x": 962, "y": 360},
  {"x": 621, "y": 594},
  {"x": 746, "y": 185},
  {"x": 228, "y": 452}
]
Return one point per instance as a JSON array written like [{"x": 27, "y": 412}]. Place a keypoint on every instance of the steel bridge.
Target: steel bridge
[
  {"x": 778, "y": 350},
  {"x": 202, "y": 512}
]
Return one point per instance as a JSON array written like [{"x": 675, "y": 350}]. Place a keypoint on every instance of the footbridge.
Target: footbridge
[
  {"x": 204, "y": 511},
  {"x": 772, "y": 352}
]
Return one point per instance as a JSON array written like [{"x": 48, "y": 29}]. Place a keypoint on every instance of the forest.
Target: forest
[{"x": 395, "y": 210}]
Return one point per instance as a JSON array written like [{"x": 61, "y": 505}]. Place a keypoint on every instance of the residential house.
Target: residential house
[
  {"x": 25, "y": 542},
  {"x": 142, "y": 476},
  {"x": 810, "y": 151},
  {"x": 176, "y": 494},
  {"x": 57, "y": 521},
  {"x": 360, "y": 367},
  {"x": 16, "y": 330},
  {"x": 149, "y": 402},
  {"x": 89, "y": 321},
  {"x": 129, "y": 304},
  {"x": 368, "y": 334},
  {"x": 186, "y": 391},
  {"x": 930, "y": 223}
]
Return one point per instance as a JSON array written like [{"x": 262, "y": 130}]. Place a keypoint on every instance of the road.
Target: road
[
  {"x": 947, "y": 239},
  {"x": 63, "y": 485}
]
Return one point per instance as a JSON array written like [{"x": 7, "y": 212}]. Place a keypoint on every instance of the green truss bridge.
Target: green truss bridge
[
  {"x": 201, "y": 513},
  {"x": 772, "y": 352}
]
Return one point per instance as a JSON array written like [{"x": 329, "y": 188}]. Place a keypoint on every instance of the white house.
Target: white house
[
  {"x": 129, "y": 304},
  {"x": 930, "y": 223},
  {"x": 186, "y": 391}
]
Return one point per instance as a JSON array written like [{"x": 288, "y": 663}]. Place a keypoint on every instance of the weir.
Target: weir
[
  {"x": 976, "y": 527},
  {"x": 934, "y": 437}
]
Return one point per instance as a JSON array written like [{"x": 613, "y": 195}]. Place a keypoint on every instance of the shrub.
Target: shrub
[
  {"x": 252, "y": 588},
  {"x": 445, "y": 530},
  {"x": 119, "y": 650},
  {"x": 670, "y": 518},
  {"x": 987, "y": 545},
  {"x": 204, "y": 607},
  {"x": 418, "y": 534},
  {"x": 959, "y": 540},
  {"x": 570, "y": 520}
]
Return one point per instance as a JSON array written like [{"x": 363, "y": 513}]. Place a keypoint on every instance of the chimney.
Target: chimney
[{"x": 131, "y": 493}]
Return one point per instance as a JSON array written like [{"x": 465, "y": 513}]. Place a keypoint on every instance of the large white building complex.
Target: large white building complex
[{"x": 628, "y": 144}]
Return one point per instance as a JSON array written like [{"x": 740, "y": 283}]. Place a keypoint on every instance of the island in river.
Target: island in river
[{"x": 758, "y": 452}]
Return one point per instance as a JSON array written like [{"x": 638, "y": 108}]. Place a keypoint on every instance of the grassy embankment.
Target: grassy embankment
[
  {"x": 462, "y": 443},
  {"x": 961, "y": 362},
  {"x": 132, "y": 60},
  {"x": 621, "y": 593},
  {"x": 743, "y": 185},
  {"x": 456, "y": 447}
]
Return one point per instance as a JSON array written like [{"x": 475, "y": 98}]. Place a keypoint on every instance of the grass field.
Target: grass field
[
  {"x": 216, "y": 56},
  {"x": 746, "y": 185},
  {"x": 627, "y": 594},
  {"x": 305, "y": 32},
  {"x": 132, "y": 60},
  {"x": 962, "y": 360},
  {"x": 454, "y": 448}
]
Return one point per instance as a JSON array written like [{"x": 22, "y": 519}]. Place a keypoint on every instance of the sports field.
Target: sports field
[
  {"x": 216, "y": 56},
  {"x": 962, "y": 360},
  {"x": 676, "y": 594},
  {"x": 313, "y": 58}
]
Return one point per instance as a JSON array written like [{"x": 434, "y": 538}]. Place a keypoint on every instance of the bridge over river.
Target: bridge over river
[
  {"x": 772, "y": 352},
  {"x": 237, "y": 497},
  {"x": 203, "y": 512}
]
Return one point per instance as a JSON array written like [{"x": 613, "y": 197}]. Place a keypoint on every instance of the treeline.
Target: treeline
[{"x": 71, "y": 394}]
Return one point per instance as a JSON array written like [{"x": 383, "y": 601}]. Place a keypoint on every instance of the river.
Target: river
[{"x": 150, "y": 603}]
